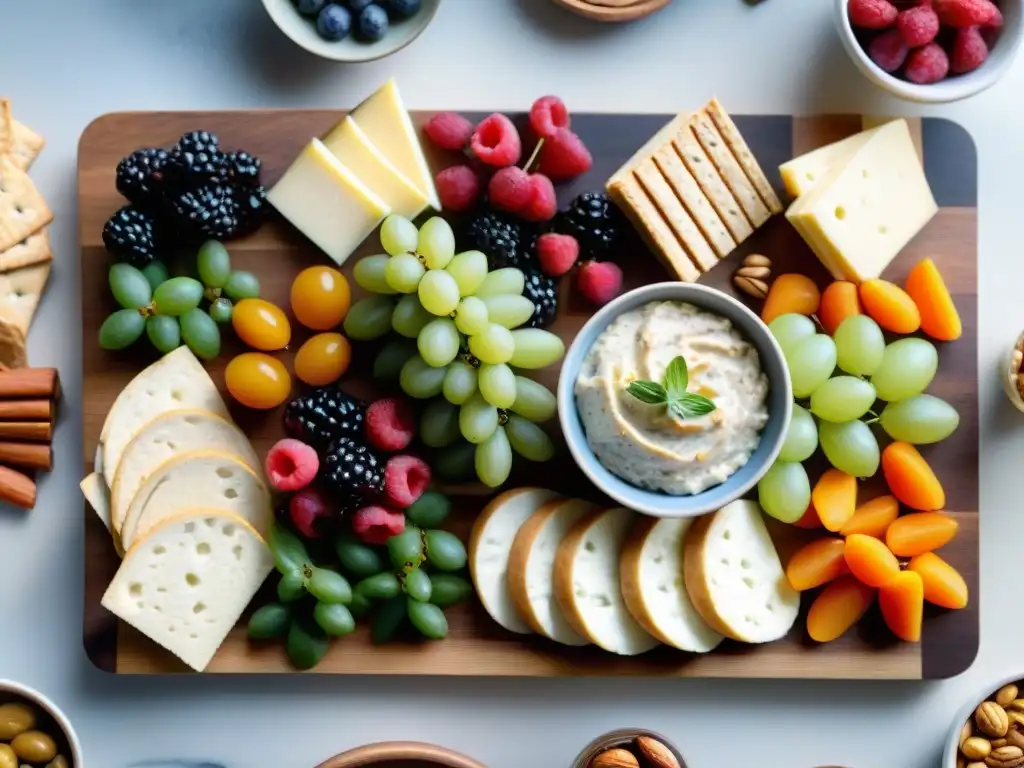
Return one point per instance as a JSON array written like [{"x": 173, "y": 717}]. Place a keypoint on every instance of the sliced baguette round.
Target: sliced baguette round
[
  {"x": 587, "y": 583},
  {"x": 651, "y": 574},
  {"x": 531, "y": 568},
  {"x": 489, "y": 546},
  {"x": 734, "y": 576}
]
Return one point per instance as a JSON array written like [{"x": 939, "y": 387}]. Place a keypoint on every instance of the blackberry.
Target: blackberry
[
  {"x": 241, "y": 168},
  {"x": 131, "y": 236},
  {"x": 324, "y": 417},
  {"x": 141, "y": 176},
  {"x": 210, "y": 211},
  {"x": 351, "y": 471},
  {"x": 501, "y": 238},
  {"x": 594, "y": 221},
  {"x": 250, "y": 207},
  {"x": 543, "y": 292},
  {"x": 196, "y": 159}
]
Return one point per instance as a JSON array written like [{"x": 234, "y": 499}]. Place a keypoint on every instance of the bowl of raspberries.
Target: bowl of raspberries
[{"x": 931, "y": 50}]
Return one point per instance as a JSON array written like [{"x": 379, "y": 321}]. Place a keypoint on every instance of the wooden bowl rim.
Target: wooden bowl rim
[
  {"x": 606, "y": 13},
  {"x": 385, "y": 751}
]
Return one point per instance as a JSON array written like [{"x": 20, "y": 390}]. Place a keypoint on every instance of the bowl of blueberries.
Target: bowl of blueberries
[{"x": 352, "y": 30}]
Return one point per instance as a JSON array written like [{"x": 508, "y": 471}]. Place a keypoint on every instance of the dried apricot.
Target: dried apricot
[
  {"x": 889, "y": 306},
  {"x": 910, "y": 478},
  {"x": 839, "y": 606},
  {"x": 902, "y": 604},
  {"x": 939, "y": 318},
  {"x": 791, "y": 293},
  {"x": 810, "y": 520},
  {"x": 872, "y": 518},
  {"x": 870, "y": 560},
  {"x": 816, "y": 563},
  {"x": 943, "y": 584},
  {"x": 835, "y": 498},
  {"x": 838, "y": 302},
  {"x": 920, "y": 532}
]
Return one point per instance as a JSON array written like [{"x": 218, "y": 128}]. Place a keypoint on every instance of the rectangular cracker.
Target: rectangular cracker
[
  {"x": 20, "y": 291},
  {"x": 696, "y": 202},
  {"x": 709, "y": 137},
  {"x": 23, "y": 211},
  {"x": 6, "y": 128},
  {"x": 35, "y": 249},
  {"x": 26, "y": 145},
  {"x": 676, "y": 215},
  {"x": 743, "y": 155}
]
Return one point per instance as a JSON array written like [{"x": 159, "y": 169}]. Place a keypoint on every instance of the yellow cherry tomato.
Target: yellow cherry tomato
[
  {"x": 261, "y": 325},
  {"x": 258, "y": 381},
  {"x": 323, "y": 359},
  {"x": 320, "y": 298}
]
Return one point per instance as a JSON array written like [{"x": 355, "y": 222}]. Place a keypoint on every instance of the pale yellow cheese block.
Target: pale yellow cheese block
[{"x": 801, "y": 174}]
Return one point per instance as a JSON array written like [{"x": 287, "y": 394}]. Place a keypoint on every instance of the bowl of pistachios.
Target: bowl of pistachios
[{"x": 33, "y": 731}]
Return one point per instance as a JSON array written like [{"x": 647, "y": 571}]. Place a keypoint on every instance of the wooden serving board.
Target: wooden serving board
[{"x": 476, "y": 645}]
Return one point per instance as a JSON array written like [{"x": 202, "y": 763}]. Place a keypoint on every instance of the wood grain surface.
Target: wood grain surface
[{"x": 476, "y": 645}]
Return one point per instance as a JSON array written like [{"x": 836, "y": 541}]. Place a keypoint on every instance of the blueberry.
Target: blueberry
[
  {"x": 334, "y": 23},
  {"x": 403, "y": 9},
  {"x": 310, "y": 8},
  {"x": 373, "y": 23},
  {"x": 357, "y": 6}
]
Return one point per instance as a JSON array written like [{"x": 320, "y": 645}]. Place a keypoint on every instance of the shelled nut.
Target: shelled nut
[
  {"x": 976, "y": 748},
  {"x": 1005, "y": 757},
  {"x": 615, "y": 758},
  {"x": 991, "y": 719},
  {"x": 1005, "y": 695},
  {"x": 656, "y": 753},
  {"x": 753, "y": 276},
  {"x": 1015, "y": 737}
]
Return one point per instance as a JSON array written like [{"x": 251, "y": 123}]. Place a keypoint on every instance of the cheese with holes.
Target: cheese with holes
[
  {"x": 801, "y": 174},
  {"x": 187, "y": 583},
  {"x": 327, "y": 202}
]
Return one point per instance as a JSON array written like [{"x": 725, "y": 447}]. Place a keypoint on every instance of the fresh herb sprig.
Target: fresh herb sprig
[{"x": 672, "y": 392}]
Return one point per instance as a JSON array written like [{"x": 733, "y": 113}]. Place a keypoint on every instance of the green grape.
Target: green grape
[
  {"x": 417, "y": 585},
  {"x": 843, "y": 398},
  {"x": 438, "y": 342},
  {"x": 270, "y": 621},
  {"x": 410, "y": 317},
  {"x": 388, "y": 618},
  {"x": 471, "y": 315},
  {"x": 507, "y": 280},
  {"x": 535, "y": 348},
  {"x": 859, "y": 345},
  {"x": 439, "y": 425},
  {"x": 497, "y": 385},
  {"x": 850, "y": 447},
  {"x": 801, "y": 436},
  {"x": 306, "y": 644},
  {"x": 329, "y": 586},
  {"x": 493, "y": 345},
  {"x": 469, "y": 269},
  {"x": 398, "y": 235},
  {"x": 454, "y": 464},
  {"x": 164, "y": 333},
  {"x": 785, "y": 491},
  {"x": 436, "y": 244},
  {"x": 287, "y": 549},
  {"x": 129, "y": 286},
  {"x": 438, "y": 292},
  {"x": 388, "y": 364},
  {"x": 449, "y": 589},
  {"x": 907, "y": 368},
  {"x": 242, "y": 285},
  {"x": 122, "y": 329},
  {"x": 369, "y": 318},
  {"x": 477, "y": 419},
  {"x": 528, "y": 440},
  {"x": 445, "y": 551},
  {"x": 213, "y": 263},
  {"x": 534, "y": 401},
  {"x": 789, "y": 330},
  {"x": 428, "y": 619},
  {"x": 493, "y": 459},
  {"x": 429, "y": 510},
  {"x": 334, "y": 619},
  {"x": 357, "y": 558},
  {"x": 811, "y": 362},
  {"x": 404, "y": 272},
  {"x": 380, "y": 586},
  {"x": 509, "y": 310},
  {"x": 220, "y": 310},
  {"x": 177, "y": 296},
  {"x": 420, "y": 380},
  {"x": 200, "y": 333},
  {"x": 360, "y": 606},
  {"x": 369, "y": 274},
  {"x": 920, "y": 420},
  {"x": 406, "y": 548},
  {"x": 156, "y": 273},
  {"x": 291, "y": 587},
  {"x": 460, "y": 380}
]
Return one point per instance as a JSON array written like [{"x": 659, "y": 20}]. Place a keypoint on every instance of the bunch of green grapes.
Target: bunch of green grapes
[
  {"x": 465, "y": 322},
  {"x": 836, "y": 405},
  {"x": 167, "y": 309}
]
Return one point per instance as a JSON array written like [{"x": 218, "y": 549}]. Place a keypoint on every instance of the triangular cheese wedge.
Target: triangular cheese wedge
[{"x": 801, "y": 173}]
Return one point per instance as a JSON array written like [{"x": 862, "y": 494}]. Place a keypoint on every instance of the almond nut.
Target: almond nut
[
  {"x": 615, "y": 758},
  {"x": 991, "y": 719},
  {"x": 1005, "y": 757},
  {"x": 1005, "y": 695},
  {"x": 757, "y": 260},
  {"x": 757, "y": 289},
  {"x": 1016, "y": 705},
  {"x": 976, "y": 748},
  {"x": 656, "y": 753},
  {"x": 758, "y": 273},
  {"x": 1015, "y": 737}
]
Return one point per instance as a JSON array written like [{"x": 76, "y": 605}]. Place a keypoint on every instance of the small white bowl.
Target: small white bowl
[
  {"x": 952, "y": 748},
  {"x": 11, "y": 691},
  {"x": 954, "y": 87}
]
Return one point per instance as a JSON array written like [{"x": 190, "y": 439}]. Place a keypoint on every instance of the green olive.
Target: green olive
[
  {"x": 15, "y": 719},
  {"x": 7, "y": 757},
  {"x": 34, "y": 746},
  {"x": 58, "y": 762}
]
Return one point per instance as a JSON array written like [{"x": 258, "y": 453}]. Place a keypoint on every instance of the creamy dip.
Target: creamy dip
[{"x": 645, "y": 444}]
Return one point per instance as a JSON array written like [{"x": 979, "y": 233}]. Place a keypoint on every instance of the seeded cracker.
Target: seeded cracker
[
  {"x": 23, "y": 211},
  {"x": 743, "y": 155},
  {"x": 33, "y": 250},
  {"x": 27, "y": 144},
  {"x": 20, "y": 290},
  {"x": 733, "y": 175},
  {"x": 6, "y": 128},
  {"x": 12, "y": 345}
]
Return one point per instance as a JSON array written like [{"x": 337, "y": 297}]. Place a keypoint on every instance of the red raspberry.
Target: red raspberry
[
  {"x": 557, "y": 253},
  {"x": 888, "y": 50},
  {"x": 405, "y": 480},
  {"x": 563, "y": 156},
  {"x": 509, "y": 189},
  {"x": 448, "y": 130},
  {"x": 543, "y": 203},
  {"x": 918, "y": 26},
  {"x": 965, "y": 13},
  {"x": 458, "y": 188},
  {"x": 547, "y": 115},
  {"x": 375, "y": 525},
  {"x": 291, "y": 465},
  {"x": 991, "y": 30},
  {"x": 969, "y": 51},
  {"x": 496, "y": 141},
  {"x": 872, "y": 14},
  {"x": 307, "y": 509},
  {"x": 599, "y": 281},
  {"x": 927, "y": 65},
  {"x": 390, "y": 424}
]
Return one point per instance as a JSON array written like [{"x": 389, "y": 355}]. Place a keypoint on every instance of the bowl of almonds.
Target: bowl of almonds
[
  {"x": 989, "y": 734},
  {"x": 630, "y": 748}
]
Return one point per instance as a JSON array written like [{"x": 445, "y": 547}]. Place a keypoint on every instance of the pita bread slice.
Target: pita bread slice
[{"x": 20, "y": 290}]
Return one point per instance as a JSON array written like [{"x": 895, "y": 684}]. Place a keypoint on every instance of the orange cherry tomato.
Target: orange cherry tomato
[
  {"x": 258, "y": 381},
  {"x": 323, "y": 359},
  {"x": 320, "y": 298},
  {"x": 261, "y": 325}
]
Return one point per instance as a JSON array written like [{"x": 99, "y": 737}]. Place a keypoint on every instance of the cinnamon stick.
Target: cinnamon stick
[
  {"x": 17, "y": 488},
  {"x": 30, "y": 382},
  {"x": 26, "y": 410},
  {"x": 27, "y": 455},
  {"x": 36, "y": 431}
]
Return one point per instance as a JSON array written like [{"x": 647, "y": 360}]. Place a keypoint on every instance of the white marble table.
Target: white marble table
[{"x": 64, "y": 62}]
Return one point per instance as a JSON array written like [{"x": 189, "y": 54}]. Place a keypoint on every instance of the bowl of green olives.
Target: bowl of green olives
[{"x": 34, "y": 733}]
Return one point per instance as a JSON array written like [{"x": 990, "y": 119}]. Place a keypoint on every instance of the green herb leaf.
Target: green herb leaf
[
  {"x": 677, "y": 377},
  {"x": 650, "y": 392},
  {"x": 690, "y": 405}
]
